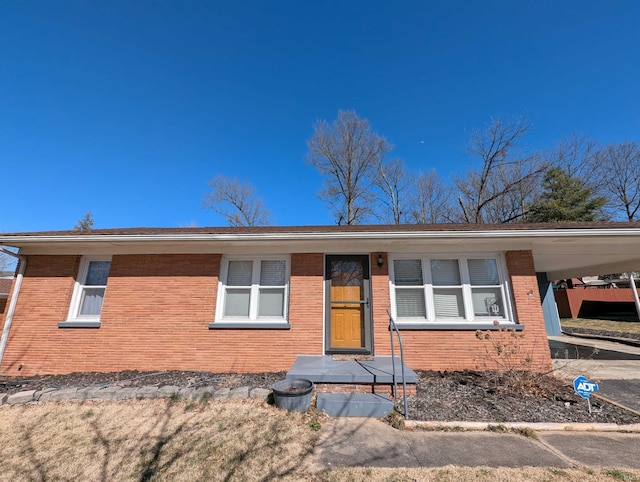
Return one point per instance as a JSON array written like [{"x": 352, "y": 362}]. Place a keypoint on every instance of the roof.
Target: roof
[
  {"x": 354, "y": 228},
  {"x": 561, "y": 250}
]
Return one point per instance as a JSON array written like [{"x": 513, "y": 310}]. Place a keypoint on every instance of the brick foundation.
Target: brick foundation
[{"x": 380, "y": 389}]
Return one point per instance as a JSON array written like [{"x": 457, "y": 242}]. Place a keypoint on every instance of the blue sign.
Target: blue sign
[{"x": 584, "y": 387}]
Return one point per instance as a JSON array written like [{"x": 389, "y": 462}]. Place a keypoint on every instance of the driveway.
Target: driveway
[{"x": 614, "y": 366}]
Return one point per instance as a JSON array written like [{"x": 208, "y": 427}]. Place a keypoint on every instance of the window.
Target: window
[
  {"x": 449, "y": 290},
  {"x": 253, "y": 289},
  {"x": 90, "y": 288}
]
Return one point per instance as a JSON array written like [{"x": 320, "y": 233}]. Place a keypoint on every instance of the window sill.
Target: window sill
[
  {"x": 458, "y": 326},
  {"x": 79, "y": 324},
  {"x": 256, "y": 325}
]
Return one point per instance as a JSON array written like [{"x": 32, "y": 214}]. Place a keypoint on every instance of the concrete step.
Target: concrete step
[
  {"x": 324, "y": 369},
  {"x": 354, "y": 404}
]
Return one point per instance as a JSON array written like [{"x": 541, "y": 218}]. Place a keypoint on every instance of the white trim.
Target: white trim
[
  {"x": 253, "y": 317},
  {"x": 35, "y": 238},
  {"x": 78, "y": 289},
  {"x": 466, "y": 290}
]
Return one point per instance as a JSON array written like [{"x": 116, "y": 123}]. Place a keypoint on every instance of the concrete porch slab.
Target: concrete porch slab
[
  {"x": 354, "y": 405},
  {"x": 323, "y": 369}
]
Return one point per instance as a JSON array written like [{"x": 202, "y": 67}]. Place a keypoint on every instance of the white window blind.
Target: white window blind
[
  {"x": 483, "y": 272},
  {"x": 448, "y": 303},
  {"x": 91, "y": 285},
  {"x": 408, "y": 272},
  {"x": 445, "y": 272},
  {"x": 410, "y": 303},
  {"x": 255, "y": 289},
  {"x": 410, "y": 298},
  {"x": 453, "y": 289},
  {"x": 240, "y": 273}
]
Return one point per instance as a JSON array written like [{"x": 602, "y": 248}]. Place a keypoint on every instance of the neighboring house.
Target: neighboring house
[
  {"x": 254, "y": 299},
  {"x": 5, "y": 286},
  {"x": 592, "y": 297}
]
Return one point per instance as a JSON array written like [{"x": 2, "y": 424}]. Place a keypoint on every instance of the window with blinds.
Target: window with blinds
[
  {"x": 90, "y": 288},
  {"x": 255, "y": 289},
  {"x": 448, "y": 289}
]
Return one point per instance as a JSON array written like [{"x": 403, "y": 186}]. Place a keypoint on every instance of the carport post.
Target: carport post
[{"x": 634, "y": 290}]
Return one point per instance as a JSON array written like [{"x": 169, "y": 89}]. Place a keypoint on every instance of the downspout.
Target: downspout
[
  {"x": 14, "y": 299},
  {"x": 634, "y": 290}
]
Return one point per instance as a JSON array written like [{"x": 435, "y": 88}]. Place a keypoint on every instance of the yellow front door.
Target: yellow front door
[
  {"x": 348, "y": 278},
  {"x": 347, "y": 317}
]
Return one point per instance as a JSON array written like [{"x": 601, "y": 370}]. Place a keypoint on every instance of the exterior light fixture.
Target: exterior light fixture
[{"x": 380, "y": 261}]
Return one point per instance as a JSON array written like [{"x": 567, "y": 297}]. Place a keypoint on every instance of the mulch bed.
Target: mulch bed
[
  {"x": 453, "y": 396},
  {"x": 515, "y": 397}
]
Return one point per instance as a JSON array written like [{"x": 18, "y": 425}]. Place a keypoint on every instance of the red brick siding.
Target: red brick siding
[
  {"x": 461, "y": 349},
  {"x": 43, "y": 301},
  {"x": 380, "y": 304},
  {"x": 156, "y": 313},
  {"x": 157, "y": 310}
]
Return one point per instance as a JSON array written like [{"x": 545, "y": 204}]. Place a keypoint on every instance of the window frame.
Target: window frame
[
  {"x": 469, "y": 319},
  {"x": 74, "y": 318},
  {"x": 253, "y": 320}
]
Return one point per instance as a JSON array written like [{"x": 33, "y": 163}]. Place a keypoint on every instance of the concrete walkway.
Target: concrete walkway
[
  {"x": 597, "y": 359},
  {"x": 358, "y": 442},
  {"x": 614, "y": 366}
]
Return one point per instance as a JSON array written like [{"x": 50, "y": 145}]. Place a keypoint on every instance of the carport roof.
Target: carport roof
[{"x": 560, "y": 250}]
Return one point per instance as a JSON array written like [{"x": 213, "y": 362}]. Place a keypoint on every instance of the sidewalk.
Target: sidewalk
[{"x": 362, "y": 442}]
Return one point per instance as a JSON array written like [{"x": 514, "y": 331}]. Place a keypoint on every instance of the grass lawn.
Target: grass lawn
[
  {"x": 621, "y": 327},
  {"x": 191, "y": 441}
]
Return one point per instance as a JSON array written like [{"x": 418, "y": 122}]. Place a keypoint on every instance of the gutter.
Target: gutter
[
  {"x": 23, "y": 240},
  {"x": 14, "y": 299}
]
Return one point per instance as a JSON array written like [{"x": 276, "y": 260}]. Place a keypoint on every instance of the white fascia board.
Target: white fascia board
[{"x": 19, "y": 241}]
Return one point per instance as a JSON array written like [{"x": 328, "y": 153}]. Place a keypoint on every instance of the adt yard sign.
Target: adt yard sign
[{"x": 584, "y": 387}]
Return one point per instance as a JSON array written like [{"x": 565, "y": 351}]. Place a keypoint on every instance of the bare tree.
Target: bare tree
[
  {"x": 429, "y": 200},
  {"x": 501, "y": 190},
  {"x": 236, "y": 202},
  {"x": 347, "y": 153},
  {"x": 6, "y": 263},
  {"x": 575, "y": 155},
  {"x": 393, "y": 185},
  {"x": 618, "y": 167},
  {"x": 85, "y": 223}
]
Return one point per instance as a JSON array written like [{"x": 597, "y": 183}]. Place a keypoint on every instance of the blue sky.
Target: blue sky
[{"x": 129, "y": 108}]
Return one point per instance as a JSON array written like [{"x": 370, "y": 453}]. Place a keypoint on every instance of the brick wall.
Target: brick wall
[
  {"x": 443, "y": 350},
  {"x": 155, "y": 316},
  {"x": 157, "y": 309}
]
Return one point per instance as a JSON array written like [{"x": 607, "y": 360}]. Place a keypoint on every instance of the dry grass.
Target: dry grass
[
  {"x": 608, "y": 325},
  {"x": 152, "y": 440},
  {"x": 233, "y": 440},
  {"x": 481, "y": 474}
]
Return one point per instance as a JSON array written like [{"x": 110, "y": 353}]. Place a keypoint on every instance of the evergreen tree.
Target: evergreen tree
[
  {"x": 565, "y": 199},
  {"x": 85, "y": 223}
]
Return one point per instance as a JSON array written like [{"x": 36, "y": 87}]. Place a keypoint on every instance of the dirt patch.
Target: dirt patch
[
  {"x": 133, "y": 378},
  {"x": 448, "y": 396},
  {"x": 514, "y": 397}
]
